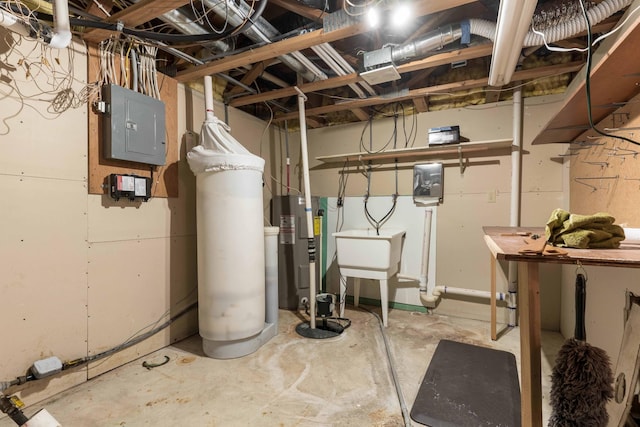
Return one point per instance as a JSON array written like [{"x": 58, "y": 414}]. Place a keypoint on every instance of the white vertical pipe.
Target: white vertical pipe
[
  {"x": 307, "y": 207},
  {"x": 61, "y": 36},
  {"x": 208, "y": 97},
  {"x": 516, "y": 184},
  {"x": 426, "y": 245}
]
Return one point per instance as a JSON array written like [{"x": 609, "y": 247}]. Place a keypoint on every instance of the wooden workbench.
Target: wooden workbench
[{"x": 504, "y": 243}]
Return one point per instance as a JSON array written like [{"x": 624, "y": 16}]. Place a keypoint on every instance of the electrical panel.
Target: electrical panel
[
  {"x": 287, "y": 212},
  {"x": 131, "y": 187},
  {"x": 133, "y": 126}
]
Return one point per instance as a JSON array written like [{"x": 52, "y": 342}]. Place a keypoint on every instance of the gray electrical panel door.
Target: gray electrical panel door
[
  {"x": 293, "y": 258},
  {"x": 133, "y": 126}
]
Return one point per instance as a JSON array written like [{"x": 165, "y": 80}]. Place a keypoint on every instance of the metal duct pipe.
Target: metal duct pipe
[
  {"x": 433, "y": 40},
  {"x": 260, "y": 31},
  {"x": 186, "y": 25}
]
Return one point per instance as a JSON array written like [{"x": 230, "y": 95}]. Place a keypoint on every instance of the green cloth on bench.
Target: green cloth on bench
[{"x": 596, "y": 231}]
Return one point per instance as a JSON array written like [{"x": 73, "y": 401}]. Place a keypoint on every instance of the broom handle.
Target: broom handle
[{"x": 581, "y": 299}]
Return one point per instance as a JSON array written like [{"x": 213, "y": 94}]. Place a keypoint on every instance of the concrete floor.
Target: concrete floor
[{"x": 290, "y": 381}]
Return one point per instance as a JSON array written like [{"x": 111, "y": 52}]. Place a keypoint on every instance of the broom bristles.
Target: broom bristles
[{"x": 581, "y": 386}]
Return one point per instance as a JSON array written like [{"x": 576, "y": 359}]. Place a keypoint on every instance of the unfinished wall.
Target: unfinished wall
[
  {"x": 80, "y": 273},
  {"x": 603, "y": 178},
  {"x": 477, "y": 197}
]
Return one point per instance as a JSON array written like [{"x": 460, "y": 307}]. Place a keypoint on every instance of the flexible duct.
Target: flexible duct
[
  {"x": 437, "y": 39},
  {"x": 562, "y": 31}
]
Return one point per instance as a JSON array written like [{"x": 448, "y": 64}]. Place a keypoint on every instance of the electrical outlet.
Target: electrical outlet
[{"x": 491, "y": 196}]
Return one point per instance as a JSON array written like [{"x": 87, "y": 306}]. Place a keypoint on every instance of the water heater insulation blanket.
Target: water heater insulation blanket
[
  {"x": 229, "y": 213},
  {"x": 218, "y": 150}
]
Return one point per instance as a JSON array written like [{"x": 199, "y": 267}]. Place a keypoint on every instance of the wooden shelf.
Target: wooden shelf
[{"x": 475, "y": 148}]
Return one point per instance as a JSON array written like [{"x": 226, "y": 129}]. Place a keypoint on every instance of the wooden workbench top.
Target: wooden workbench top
[{"x": 504, "y": 243}]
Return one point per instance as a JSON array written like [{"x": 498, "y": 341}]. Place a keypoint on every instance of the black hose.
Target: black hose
[{"x": 84, "y": 360}]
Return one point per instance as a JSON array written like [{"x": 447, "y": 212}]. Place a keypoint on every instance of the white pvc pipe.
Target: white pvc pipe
[
  {"x": 208, "y": 97},
  {"x": 426, "y": 245},
  {"x": 307, "y": 207},
  {"x": 62, "y": 28},
  {"x": 12, "y": 23},
  {"x": 439, "y": 290}
]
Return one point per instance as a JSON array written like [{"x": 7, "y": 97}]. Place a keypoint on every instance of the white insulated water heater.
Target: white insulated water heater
[{"x": 231, "y": 242}]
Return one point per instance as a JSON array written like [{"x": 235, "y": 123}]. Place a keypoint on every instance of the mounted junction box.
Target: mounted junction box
[
  {"x": 131, "y": 187},
  {"x": 133, "y": 126}
]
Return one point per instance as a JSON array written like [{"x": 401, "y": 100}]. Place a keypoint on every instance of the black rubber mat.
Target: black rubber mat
[{"x": 467, "y": 385}]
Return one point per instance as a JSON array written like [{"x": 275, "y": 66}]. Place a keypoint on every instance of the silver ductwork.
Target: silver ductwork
[
  {"x": 186, "y": 25},
  {"x": 261, "y": 32},
  {"x": 394, "y": 55},
  {"x": 431, "y": 41}
]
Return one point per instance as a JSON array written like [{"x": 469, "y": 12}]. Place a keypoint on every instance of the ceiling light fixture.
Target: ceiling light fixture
[
  {"x": 514, "y": 19},
  {"x": 373, "y": 17},
  {"x": 400, "y": 15}
]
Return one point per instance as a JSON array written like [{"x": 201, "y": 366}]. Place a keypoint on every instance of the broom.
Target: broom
[{"x": 581, "y": 381}]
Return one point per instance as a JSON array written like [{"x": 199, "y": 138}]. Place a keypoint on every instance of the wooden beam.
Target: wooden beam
[
  {"x": 303, "y": 41},
  {"x": 421, "y": 104},
  {"x": 251, "y": 76},
  {"x": 134, "y": 15},
  {"x": 95, "y": 10},
  {"x": 492, "y": 95},
  {"x": 447, "y": 87},
  {"x": 432, "y": 61},
  {"x": 290, "y": 91},
  {"x": 310, "y": 13},
  {"x": 360, "y": 114},
  {"x": 614, "y": 78}
]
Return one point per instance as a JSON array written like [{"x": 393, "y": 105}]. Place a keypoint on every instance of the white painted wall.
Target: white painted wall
[
  {"x": 462, "y": 257},
  {"x": 80, "y": 274},
  {"x": 408, "y": 217}
]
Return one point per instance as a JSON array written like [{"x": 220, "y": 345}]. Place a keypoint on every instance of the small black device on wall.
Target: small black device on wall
[{"x": 131, "y": 187}]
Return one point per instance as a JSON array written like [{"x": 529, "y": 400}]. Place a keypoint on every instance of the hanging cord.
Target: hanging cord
[
  {"x": 379, "y": 223},
  {"x": 588, "y": 80}
]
